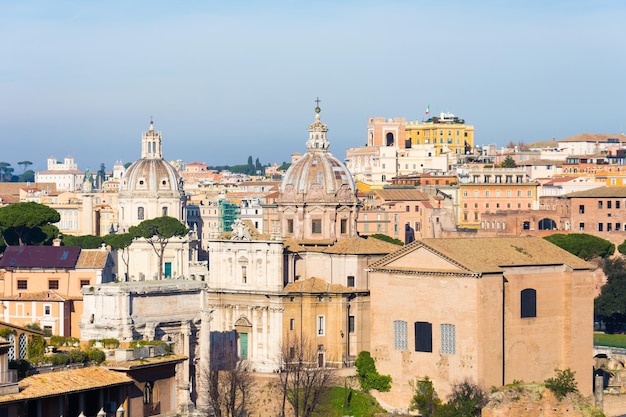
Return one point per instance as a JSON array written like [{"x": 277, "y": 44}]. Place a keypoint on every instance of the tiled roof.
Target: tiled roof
[
  {"x": 604, "y": 192},
  {"x": 538, "y": 162},
  {"x": 593, "y": 137},
  {"x": 362, "y": 246},
  {"x": 92, "y": 259},
  {"x": 479, "y": 255},
  {"x": 40, "y": 257},
  {"x": 36, "y": 296},
  {"x": 401, "y": 194},
  {"x": 144, "y": 363},
  {"x": 316, "y": 286},
  {"x": 66, "y": 382}
]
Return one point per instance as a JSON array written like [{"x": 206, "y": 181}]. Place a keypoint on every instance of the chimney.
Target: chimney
[{"x": 56, "y": 242}]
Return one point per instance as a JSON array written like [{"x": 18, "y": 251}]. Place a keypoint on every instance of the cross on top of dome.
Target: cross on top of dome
[{"x": 317, "y": 132}]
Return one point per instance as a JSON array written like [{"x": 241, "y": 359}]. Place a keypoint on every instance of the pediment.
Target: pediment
[{"x": 423, "y": 259}]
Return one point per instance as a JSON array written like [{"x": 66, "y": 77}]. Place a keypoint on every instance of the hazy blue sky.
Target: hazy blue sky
[{"x": 224, "y": 80}]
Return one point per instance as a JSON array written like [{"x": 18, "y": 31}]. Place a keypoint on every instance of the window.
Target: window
[
  {"x": 290, "y": 226},
  {"x": 344, "y": 226},
  {"x": 292, "y": 324},
  {"x": 400, "y": 335},
  {"x": 528, "y": 303},
  {"x": 609, "y": 227},
  {"x": 350, "y": 282},
  {"x": 351, "y": 324},
  {"x": 22, "y": 284},
  {"x": 581, "y": 209},
  {"x": 618, "y": 227},
  {"x": 448, "y": 337},
  {"x": 147, "y": 393},
  {"x": 320, "y": 325},
  {"x": 423, "y": 336},
  {"x": 140, "y": 213},
  {"x": 600, "y": 204},
  {"x": 47, "y": 310},
  {"x": 408, "y": 208},
  {"x": 164, "y": 211},
  {"x": 316, "y": 226},
  {"x": 486, "y": 193},
  {"x": 526, "y": 226},
  {"x": 617, "y": 205},
  {"x": 244, "y": 274},
  {"x": 53, "y": 284},
  {"x": 581, "y": 226},
  {"x": 84, "y": 282},
  {"x": 608, "y": 204},
  {"x": 519, "y": 193}
]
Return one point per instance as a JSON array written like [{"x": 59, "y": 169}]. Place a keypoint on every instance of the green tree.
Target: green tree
[
  {"x": 466, "y": 400},
  {"x": 3, "y": 168},
  {"x": 369, "y": 376},
  {"x": 508, "y": 163},
  {"x": 24, "y": 164},
  {"x": 257, "y": 166},
  {"x": 424, "y": 398},
  {"x": 582, "y": 245},
  {"x": 285, "y": 166},
  {"x": 28, "y": 223},
  {"x": 610, "y": 305},
  {"x": 27, "y": 176},
  {"x": 121, "y": 242},
  {"x": 158, "y": 232},
  {"x": 562, "y": 383},
  {"x": 85, "y": 241}
]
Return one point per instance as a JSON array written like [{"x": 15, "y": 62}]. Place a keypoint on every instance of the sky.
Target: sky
[{"x": 224, "y": 80}]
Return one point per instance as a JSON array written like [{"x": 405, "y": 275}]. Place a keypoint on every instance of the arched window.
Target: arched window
[
  {"x": 147, "y": 393},
  {"x": 164, "y": 211},
  {"x": 528, "y": 303},
  {"x": 547, "y": 224},
  {"x": 140, "y": 213},
  {"x": 389, "y": 138}
]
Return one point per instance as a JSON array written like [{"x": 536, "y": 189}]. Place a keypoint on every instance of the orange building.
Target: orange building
[{"x": 42, "y": 284}]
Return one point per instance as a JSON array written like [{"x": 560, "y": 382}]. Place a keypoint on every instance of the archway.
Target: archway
[
  {"x": 390, "y": 139},
  {"x": 547, "y": 224}
]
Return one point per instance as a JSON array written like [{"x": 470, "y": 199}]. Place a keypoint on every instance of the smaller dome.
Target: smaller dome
[{"x": 318, "y": 170}]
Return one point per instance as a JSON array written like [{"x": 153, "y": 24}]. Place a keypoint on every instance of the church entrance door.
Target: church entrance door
[
  {"x": 168, "y": 270},
  {"x": 243, "y": 346}
]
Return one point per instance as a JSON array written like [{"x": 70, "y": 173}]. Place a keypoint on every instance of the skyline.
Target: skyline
[{"x": 84, "y": 79}]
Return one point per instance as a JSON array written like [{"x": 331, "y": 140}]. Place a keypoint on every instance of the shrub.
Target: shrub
[
  {"x": 562, "y": 384},
  {"x": 77, "y": 356},
  {"x": 6, "y": 332},
  {"x": 35, "y": 347},
  {"x": 22, "y": 366},
  {"x": 142, "y": 343},
  {"x": 425, "y": 398},
  {"x": 369, "y": 376},
  {"x": 57, "y": 341},
  {"x": 96, "y": 355},
  {"x": 582, "y": 245},
  {"x": 57, "y": 359}
]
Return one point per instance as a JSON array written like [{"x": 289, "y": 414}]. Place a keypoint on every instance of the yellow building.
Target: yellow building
[{"x": 445, "y": 132}]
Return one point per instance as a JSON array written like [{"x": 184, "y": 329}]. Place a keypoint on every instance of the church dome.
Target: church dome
[
  {"x": 151, "y": 173},
  {"x": 317, "y": 175}
]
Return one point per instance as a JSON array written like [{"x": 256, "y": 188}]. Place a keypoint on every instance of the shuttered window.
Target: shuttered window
[{"x": 423, "y": 336}]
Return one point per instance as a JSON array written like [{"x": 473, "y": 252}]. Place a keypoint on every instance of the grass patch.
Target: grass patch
[
  {"x": 351, "y": 403},
  {"x": 611, "y": 340}
]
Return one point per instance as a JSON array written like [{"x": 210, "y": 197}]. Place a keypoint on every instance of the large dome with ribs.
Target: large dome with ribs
[{"x": 318, "y": 175}]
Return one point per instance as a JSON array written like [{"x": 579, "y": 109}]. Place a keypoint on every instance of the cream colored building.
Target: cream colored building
[{"x": 492, "y": 310}]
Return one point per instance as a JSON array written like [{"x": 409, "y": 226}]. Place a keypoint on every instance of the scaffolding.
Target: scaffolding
[{"x": 227, "y": 213}]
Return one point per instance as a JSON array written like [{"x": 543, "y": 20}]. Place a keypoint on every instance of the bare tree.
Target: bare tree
[
  {"x": 303, "y": 382},
  {"x": 229, "y": 389}
]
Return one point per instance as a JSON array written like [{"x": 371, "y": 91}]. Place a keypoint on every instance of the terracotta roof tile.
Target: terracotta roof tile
[
  {"x": 36, "y": 296},
  {"x": 362, "y": 246},
  {"x": 401, "y": 194},
  {"x": 92, "y": 259},
  {"x": 316, "y": 286},
  {"x": 65, "y": 382},
  {"x": 594, "y": 137},
  {"x": 610, "y": 192},
  {"x": 480, "y": 255}
]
